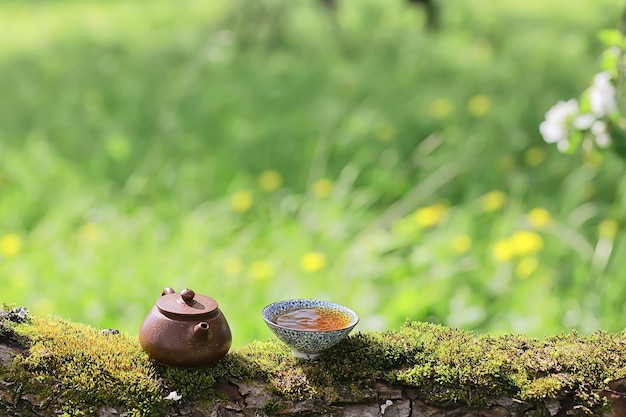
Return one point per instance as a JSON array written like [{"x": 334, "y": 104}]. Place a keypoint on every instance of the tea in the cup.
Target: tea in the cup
[{"x": 313, "y": 319}]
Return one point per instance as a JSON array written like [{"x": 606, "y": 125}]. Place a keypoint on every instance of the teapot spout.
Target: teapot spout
[{"x": 201, "y": 329}]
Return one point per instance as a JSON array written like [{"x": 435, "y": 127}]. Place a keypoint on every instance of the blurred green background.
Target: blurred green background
[{"x": 260, "y": 150}]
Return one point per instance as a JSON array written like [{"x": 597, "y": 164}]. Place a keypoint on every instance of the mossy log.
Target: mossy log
[{"x": 50, "y": 367}]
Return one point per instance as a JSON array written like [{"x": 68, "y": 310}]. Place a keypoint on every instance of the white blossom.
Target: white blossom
[
  {"x": 598, "y": 127},
  {"x": 584, "y": 121},
  {"x": 599, "y": 130},
  {"x": 562, "y": 145},
  {"x": 602, "y": 95},
  {"x": 603, "y": 140},
  {"x": 554, "y": 128},
  {"x": 173, "y": 396}
]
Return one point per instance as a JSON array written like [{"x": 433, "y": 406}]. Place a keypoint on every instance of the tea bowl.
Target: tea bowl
[{"x": 308, "y": 343}]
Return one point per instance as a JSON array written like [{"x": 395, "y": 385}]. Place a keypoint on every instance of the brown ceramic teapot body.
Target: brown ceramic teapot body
[{"x": 185, "y": 330}]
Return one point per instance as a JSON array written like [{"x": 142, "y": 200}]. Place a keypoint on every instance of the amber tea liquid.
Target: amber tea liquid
[{"x": 313, "y": 319}]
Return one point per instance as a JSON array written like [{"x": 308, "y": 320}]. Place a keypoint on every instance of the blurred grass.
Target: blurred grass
[{"x": 254, "y": 152}]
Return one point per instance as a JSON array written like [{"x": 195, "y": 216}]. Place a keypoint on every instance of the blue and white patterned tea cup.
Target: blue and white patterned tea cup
[{"x": 307, "y": 344}]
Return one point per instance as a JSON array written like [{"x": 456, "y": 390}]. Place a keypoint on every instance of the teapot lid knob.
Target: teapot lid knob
[
  {"x": 187, "y": 295},
  {"x": 185, "y": 303}
]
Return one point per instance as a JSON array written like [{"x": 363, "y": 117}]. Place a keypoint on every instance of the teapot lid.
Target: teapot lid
[{"x": 187, "y": 303}]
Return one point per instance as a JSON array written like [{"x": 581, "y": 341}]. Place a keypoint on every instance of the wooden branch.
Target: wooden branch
[{"x": 49, "y": 366}]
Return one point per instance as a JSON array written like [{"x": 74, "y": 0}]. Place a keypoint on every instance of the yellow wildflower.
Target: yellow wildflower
[
  {"x": 386, "y": 132},
  {"x": 90, "y": 231},
  {"x": 261, "y": 271},
  {"x": 493, "y": 200},
  {"x": 241, "y": 201},
  {"x": 348, "y": 89},
  {"x": 19, "y": 281},
  {"x": 593, "y": 159},
  {"x": 461, "y": 243},
  {"x": 526, "y": 267},
  {"x": 322, "y": 188},
  {"x": 506, "y": 163},
  {"x": 313, "y": 261},
  {"x": 539, "y": 217},
  {"x": 43, "y": 306},
  {"x": 270, "y": 180},
  {"x": 535, "y": 156},
  {"x": 503, "y": 250},
  {"x": 431, "y": 215},
  {"x": 482, "y": 48},
  {"x": 10, "y": 244},
  {"x": 441, "y": 108},
  {"x": 526, "y": 242},
  {"x": 607, "y": 229},
  {"x": 405, "y": 226},
  {"x": 479, "y": 105},
  {"x": 589, "y": 191},
  {"x": 233, "y": 266},
  {"x": 118, "y": 147}
]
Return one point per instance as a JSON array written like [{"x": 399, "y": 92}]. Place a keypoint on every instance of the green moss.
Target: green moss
[
  {"x": 530, "y": 369},
  {"x": 272, "y": 406},
  {"x": 447, "y": 365},
  {"x": 84, "y": 368}
]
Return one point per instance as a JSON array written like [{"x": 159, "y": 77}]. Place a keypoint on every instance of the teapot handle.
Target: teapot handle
[{"x": 167, "y": 290}]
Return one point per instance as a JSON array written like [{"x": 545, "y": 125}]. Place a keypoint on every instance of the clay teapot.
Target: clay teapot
[{"x": 185, "y": 330}]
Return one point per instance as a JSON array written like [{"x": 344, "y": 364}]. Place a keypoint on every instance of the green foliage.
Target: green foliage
[{"x": 250, "y": 152}]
